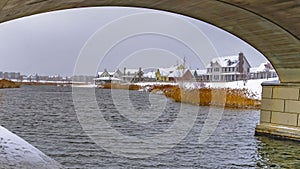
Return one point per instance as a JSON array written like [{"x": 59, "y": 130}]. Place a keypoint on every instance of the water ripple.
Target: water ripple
[{"x": 45, "y": 117}]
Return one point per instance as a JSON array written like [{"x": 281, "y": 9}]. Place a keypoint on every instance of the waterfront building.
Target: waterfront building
[
  {"x": 11, "y": 75},
  {"x": 174, "y": 73},
  {"x": 105, "y": 73},
  {"x": 181, "y": 75},
  {"x": 200, "y": 75},
  {"x": 264, "y": 71},
  {"x": 108, "y": 77},
  {"x": 162, "y": 75},
  {"x": 133, "y": 75},
  {"x": 150, "y": 76},
  {"x": 228, "y": 68}
]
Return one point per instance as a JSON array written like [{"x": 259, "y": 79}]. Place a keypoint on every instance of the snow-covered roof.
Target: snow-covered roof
[
  {"x": 110, "y": 73},
  {"x": 226, "y": 61},
  {"x": 200, "y": 71},
  {"x": 150, "y": 75},
  {"x": 262, "y": 68},
  {"x": 178, "y": 73},
  {"x": 168, "y": 71},
  {"x": 131, "y": 71},
  {"x": 164, "y": 72}
]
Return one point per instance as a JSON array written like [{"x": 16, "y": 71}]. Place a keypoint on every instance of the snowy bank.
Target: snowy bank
[
  {"x": 17, "y": 153},
  {"x": 253, "y": 85}
]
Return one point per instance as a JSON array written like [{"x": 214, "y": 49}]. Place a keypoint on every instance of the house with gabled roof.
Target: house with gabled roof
[
  {"x": 162, "y": 75},
  {"x": 181, "y": 75},
  {"x": 200, "y": 75},
  {"x": 133, "y": 75},
  {"x": 229, "y": 68},
  {"x": 108, "y": 77},
  {"x": 174, "y": 73},
  {"x": 264, "y": 71}
]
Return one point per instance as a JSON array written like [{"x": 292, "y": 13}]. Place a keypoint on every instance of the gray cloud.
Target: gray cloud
[{"x": 50, "y": 43}]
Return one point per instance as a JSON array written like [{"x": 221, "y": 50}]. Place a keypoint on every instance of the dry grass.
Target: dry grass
[
  {"x": 8, "y": 84},
  {"x": 121, "y": 86},
  {"x": 230, "y": 98}
]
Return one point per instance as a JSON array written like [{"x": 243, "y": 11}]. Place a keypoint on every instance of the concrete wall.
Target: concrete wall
[{"x": 280, "y": 111}]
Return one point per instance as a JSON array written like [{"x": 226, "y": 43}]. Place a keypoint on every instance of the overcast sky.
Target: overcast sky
[{"x": 50, "y": 43}]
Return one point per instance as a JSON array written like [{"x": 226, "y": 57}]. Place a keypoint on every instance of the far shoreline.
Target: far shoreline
[
  {"x": 240, "y": 98},
  {"x": 4, "y": 83}
]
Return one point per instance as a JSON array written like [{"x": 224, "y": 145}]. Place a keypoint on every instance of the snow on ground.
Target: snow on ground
[
  {"x": 17, "y": 153},
  {"x": 253, "y": 85}
]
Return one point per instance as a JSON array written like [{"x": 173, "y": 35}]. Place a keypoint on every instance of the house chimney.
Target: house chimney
[{"x": 241, "y": 62}]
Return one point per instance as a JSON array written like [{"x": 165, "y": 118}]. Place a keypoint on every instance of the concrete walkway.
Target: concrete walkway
[{"x": 16, "y": 153}]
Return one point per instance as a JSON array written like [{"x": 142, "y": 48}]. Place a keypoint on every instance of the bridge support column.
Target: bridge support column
[{"x": 280, "y": 110}]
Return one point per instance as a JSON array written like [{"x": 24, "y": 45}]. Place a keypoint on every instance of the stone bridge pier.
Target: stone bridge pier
[{"x": 280, "y": 111}]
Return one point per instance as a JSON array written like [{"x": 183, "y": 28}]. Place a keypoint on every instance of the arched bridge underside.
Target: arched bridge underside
[{"x": 271, "y": 26}]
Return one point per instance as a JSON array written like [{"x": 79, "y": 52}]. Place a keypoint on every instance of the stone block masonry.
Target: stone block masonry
[{"x": 280, "y": 110}]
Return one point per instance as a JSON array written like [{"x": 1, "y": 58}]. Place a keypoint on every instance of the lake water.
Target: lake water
[{"x": 45, "y": 116}]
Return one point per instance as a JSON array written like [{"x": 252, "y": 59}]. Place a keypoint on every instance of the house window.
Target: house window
[
  {"x": 216, "y": 77},
  {"x": 216, "y": 69}
]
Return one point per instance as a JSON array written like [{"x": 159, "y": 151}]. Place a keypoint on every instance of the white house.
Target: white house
[
  {"x": 264, "y": 71},
  {"x": 200, "y": 75},
  {"x": 228, "y": 68},
  {"x": 150, "y": 76},
  {"x": 108, "y": 77},
  {"x": 132, "y": 75}
]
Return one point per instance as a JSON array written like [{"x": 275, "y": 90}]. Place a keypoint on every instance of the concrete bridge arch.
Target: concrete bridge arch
[{"x": 271, "y": 26}]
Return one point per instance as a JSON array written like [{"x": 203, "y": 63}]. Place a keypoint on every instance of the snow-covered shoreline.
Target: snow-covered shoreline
[{"x": 253, "y": 85}]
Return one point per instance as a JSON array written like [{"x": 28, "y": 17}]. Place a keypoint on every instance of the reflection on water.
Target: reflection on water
[{"x": 45, "y": 117}]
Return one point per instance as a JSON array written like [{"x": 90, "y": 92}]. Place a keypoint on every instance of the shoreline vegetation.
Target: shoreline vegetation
[
  {"x": 207, "y": 96},
  {"x": 46, "y": 83},
  {"x": 8, "y": 84},
  {"x": 229, "y": 98}
]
